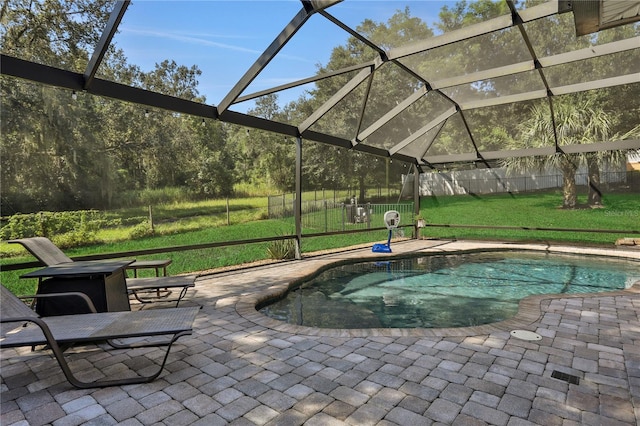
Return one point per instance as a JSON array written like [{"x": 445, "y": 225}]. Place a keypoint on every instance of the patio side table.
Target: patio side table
[
  {"x": 150, "y": 264},
  {"x": 102, "y": 280}
]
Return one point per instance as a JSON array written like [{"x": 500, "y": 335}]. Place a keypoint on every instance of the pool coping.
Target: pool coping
[{"x": 530, "y": 309}]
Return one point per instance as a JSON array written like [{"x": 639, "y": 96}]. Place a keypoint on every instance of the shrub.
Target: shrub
[
  {"x": 281, "y": 249},
  {"x": 76, "y": 239},
  {"x": 141, "y": 230},
  {"x": 46, "y": 224}
]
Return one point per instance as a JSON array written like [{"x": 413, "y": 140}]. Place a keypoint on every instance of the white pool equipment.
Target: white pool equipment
[{"x": 391, "y": 221}]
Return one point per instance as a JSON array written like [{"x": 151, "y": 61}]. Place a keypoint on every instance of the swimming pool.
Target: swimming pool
[{"x": 439, "y": 291}]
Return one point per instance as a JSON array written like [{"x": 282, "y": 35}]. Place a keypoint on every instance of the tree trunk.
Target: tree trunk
[
  {"x": 362, "y": 189},
  {"x": 569, "y": 190},
  {"x": 595, "y": 196}
]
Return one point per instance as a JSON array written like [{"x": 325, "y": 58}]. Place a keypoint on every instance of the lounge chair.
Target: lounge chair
[
  {"x": 61, "y": 332},
  {"x": 145, "y": 290}
]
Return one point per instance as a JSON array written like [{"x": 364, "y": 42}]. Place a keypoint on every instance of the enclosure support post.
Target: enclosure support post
[
  {"x": 326, "y": 217},
  {"x": 298, "y": 200},
  {"x": 416, "y": 199}
]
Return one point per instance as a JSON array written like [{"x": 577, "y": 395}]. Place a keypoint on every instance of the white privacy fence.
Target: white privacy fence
[{"x": 489, "y": 181}]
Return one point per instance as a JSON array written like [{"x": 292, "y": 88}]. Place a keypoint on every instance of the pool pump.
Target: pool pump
[{"x": 391, "y": 221}]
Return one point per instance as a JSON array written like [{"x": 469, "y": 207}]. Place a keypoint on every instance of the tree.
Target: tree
[
  {"x": 67, "y": 152},
  {"x": 47, "y": 142},
  {"x": 210, "y": 165},
  {"x": 390, "y": 84},
  {"x": 264, "y": 156},
  {"x": 575, "y": 123}
]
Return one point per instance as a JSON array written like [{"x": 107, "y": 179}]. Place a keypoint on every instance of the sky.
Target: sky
[{"x": 224, "y": 38}]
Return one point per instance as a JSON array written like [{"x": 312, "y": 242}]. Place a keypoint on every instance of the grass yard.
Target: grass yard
[
  {"x": 533, "y": 210},
  {"x": 184, "y": 224}
]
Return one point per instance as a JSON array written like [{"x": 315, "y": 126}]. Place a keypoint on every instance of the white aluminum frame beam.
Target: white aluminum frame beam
[
  {"x": 628, "y": 144},
  {"x": 591, "y": 52},
  {"x": 393, "y": 113},
  {"x": 303, "y": 81},
  {"x": 424, "y": 129},
  {"x": 337, "y": 97}
]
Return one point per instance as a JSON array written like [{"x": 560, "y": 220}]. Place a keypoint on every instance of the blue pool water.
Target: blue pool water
[{"x": 453, "y": 290}]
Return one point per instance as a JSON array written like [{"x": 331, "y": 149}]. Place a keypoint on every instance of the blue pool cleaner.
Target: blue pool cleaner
[
  {"x": 383, "y": 248},
  {"x": 391, "y": 221}
]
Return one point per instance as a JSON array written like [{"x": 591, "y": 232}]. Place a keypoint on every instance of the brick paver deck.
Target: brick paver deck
[{"x": 242, "y": 368}]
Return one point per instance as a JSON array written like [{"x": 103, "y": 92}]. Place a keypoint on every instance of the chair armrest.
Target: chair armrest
[{"x": 82, "y": 296}]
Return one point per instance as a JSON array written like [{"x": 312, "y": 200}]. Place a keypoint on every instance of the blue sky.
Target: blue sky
[{"x": 224, "y": 38}]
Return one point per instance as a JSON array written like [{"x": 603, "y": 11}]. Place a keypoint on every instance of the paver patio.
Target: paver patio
[{"x": 242, "y": 368}]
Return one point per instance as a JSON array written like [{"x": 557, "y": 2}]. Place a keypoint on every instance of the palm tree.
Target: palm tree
[{"x": 581, "y": 123}]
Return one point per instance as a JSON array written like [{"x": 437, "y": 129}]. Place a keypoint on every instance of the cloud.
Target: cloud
[{"x": 196, "y": 39}]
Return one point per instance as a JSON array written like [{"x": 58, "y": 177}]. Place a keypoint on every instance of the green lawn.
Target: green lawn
[
  {"x": 189, "y": 224},
  {"x": 534, "y": 210}
]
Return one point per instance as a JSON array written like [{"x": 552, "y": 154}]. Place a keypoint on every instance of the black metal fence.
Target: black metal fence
[
  {"x": 327, "y": 216},
  {"x": 337, "y": 213}
]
